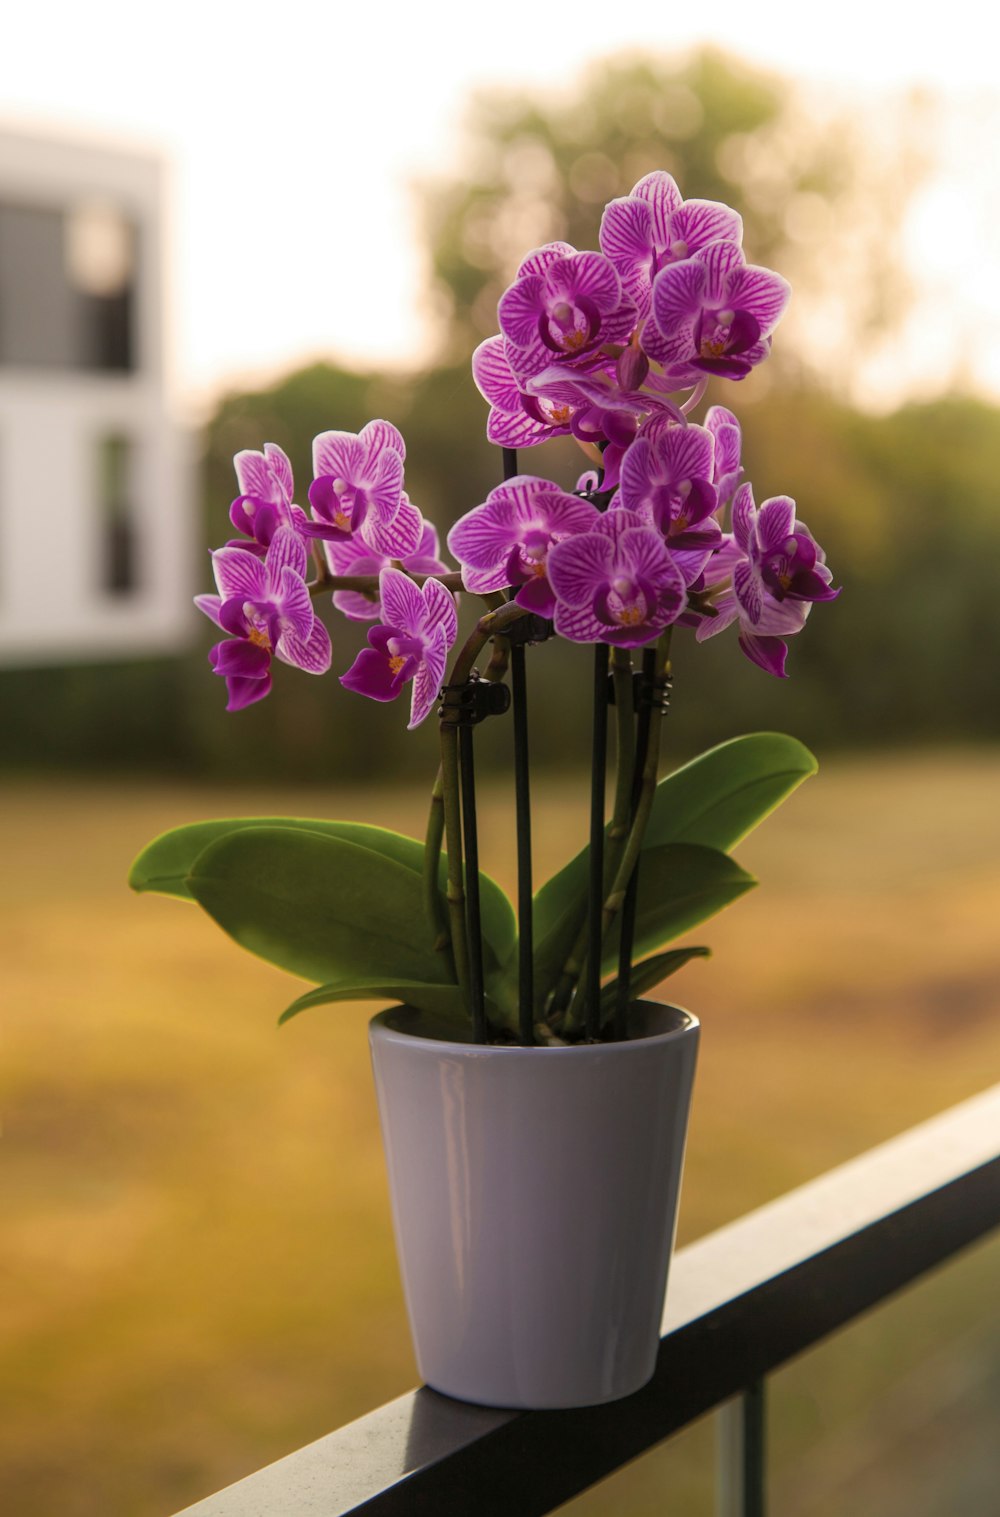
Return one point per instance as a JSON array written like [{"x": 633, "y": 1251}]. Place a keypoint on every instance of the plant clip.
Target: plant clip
[
  {"x": 652, "y": 692},
  {"x": 528, "y": 629},
  {"x": 468, "y": 704}
]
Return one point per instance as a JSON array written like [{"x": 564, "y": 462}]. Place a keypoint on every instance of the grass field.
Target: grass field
[{"x": 196, "y": 1257}]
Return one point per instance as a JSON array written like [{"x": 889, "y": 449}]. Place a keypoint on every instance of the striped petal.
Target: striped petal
[
  {"x": 761, "y": 293},
  {"x": 239, "y": 574},
  {"x": 427, "y": 681},
  {"x": 312, "y": 653},
  {"x": 339, "y": 455},
  {"x": 440, "y": 610},
  {"x": 659, "y": 191},
  {"x": 543, "y": 258},
  {"x": 402, "y": 604},
  {"x": 397, "y": 538},
  {"x": 699, "y": 222}
]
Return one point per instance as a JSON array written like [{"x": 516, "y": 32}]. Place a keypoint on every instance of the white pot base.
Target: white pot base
[{"x": 534, "y": 1195}]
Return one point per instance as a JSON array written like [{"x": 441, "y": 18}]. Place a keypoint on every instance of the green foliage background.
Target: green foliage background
[{"x": 905, "y": 504}]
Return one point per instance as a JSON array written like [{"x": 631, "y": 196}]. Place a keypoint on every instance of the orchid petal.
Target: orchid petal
[
  {"x": 699, "y": 222},
  {"x": 588, "y": 274},
  {"x": 520, "y": 306},
  {"x": 626, "y": 234},
  {"x": 744, "y": 517},
  {"x": 238, "y": 573},
  {"x": 311, "y": 652},
  {"x": 440, "y": 610},
  {"x": 243, "y": 692},
  {"x": 338, "y": 455},
  {"x": 659, "y": 190},
  {"x": 578, "y": 623},
  {"x": 397, "y": 538},
  {"x": 720, "y": 260},
  {"x": 578, "y": 566},
  {"x": 493, "y": 376},
  {"x": 294, "y": 603},
  {"x": 760, "y": 292},
  {"x": 678, "y": 292},
  {"x": 211, "y": 605},
  {"x": 775, "y": 523},
  {"x": 371, "y": 675},
  {"x": 377, "y": 435},
  {"x": 427, "y": 681},
  {"x": 768, "y": 652},
  {"x": 402, "y": 603},
  {"x": 286, "y": 551},
  {"x": 541, "y": 259}
]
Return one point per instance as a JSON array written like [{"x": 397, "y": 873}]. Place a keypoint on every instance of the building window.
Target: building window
[
  {"x": 116, "y": 514},
  {"x": 67, "y": 287}
]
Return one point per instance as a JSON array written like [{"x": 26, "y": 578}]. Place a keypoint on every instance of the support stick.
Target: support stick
[
  {"x": 598, "y": 767},
  {"x": 473, "y": 918},
  {"x": 522, "y": 804}
]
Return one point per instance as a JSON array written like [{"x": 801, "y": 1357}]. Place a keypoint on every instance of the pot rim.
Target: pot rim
[{"x": 380, "y": 1026}]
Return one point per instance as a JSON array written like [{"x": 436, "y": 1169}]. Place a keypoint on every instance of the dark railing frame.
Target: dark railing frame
[{"x": 741, "y": 1302}]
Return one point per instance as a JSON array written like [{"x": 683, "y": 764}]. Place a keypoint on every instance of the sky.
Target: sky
[{"x": 294, "y": 136}]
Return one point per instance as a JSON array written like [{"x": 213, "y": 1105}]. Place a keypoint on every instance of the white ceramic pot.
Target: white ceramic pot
[{"x": 534, "y": 1196}]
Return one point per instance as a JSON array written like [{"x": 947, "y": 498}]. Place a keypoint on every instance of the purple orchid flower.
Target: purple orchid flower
[
  {"x": 616, "y": 583},
  {"x": 713, "y": 313},
  {"x": 653, "y": 225},
  {"x": 562, "y": 308},
  {"x": 666, "y": 479},
  {"x": 412, "y": 644},
  {"x": 265, "y": 607},
  {"x": 358, "y": 488},
  {"x": 727, "y": 436},
  {"x": 265, "y": 500},
  {"x": 507, "y": 540},
  {"x": 353, "y": 556},
  {"x": 778, "y": 571}
]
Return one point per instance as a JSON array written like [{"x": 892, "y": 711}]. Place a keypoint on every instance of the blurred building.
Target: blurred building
[{"x": 96, "y": 503}]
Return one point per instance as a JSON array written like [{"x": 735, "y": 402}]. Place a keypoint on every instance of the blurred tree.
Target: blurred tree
[{"x": 817, "y": 200}]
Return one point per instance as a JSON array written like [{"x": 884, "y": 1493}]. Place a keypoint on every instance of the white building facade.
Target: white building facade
[{"x": 97, "y": 515}]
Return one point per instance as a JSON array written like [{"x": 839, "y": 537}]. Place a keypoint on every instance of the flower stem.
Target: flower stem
[
  {"x": 621, "y": 673},
  {"x": 433, "y": 908},
  {"x": 656, "y": 670},
  {"x": 453, "y": 835},
  {"x": 620, "y": 820}
]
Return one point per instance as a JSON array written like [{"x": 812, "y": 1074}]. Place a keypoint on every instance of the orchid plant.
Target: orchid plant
[{"x": 615, "y": 349}]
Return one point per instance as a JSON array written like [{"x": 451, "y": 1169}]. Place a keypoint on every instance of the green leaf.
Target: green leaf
[
  {"x": 320, "y": 907},
  {"x": 714, "y": 801},
  {"x": 166, "y": 863},
  {"x": 443, "y": 1000},
  {"x": 680, "y": 884},
  {"x": 721, "y": 796},
  {"x": 650, "y": 973}
]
